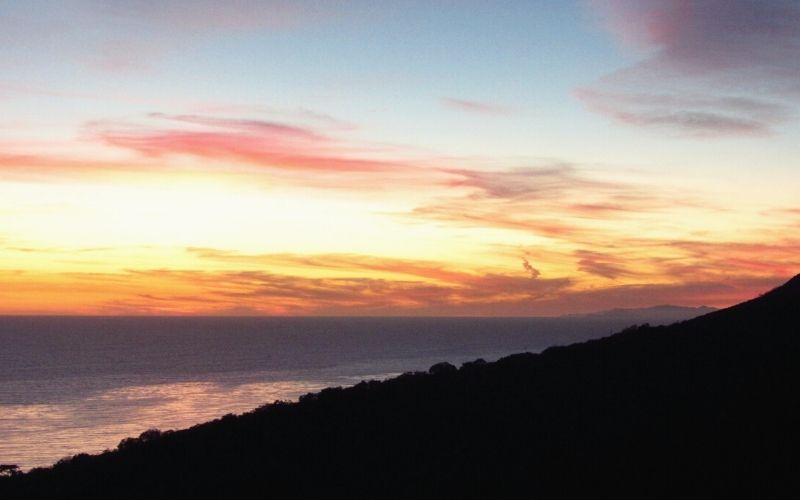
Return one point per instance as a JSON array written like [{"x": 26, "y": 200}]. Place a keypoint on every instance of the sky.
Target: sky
[{"x": 312, "y": 157}]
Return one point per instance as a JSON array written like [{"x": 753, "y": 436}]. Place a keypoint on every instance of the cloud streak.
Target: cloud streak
[
  {"x": 556, "y": 200},
  {"x": 696, "y": 116},
  {"x": 340, "y": 262},
  {"x": 478, "y": 107},
  {"x": 269, "y": 293},
  {"x": 266, "y": 144},
  {"x": 163, "y": 291}
]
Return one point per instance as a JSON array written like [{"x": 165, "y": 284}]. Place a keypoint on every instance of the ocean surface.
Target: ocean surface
[{"x": 81, "y": 384}]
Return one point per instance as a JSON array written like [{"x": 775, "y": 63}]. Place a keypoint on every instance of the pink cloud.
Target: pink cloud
[
  {"x": 712, "y": 68},
  {"x": 253, "y": 142},
  {"x": 711, "y": 36}
]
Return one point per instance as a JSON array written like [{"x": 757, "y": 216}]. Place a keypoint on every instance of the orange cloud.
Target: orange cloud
[
  {"x": 172, "y": 292},
  {"x": 284, "y": 294},
  {"x": 600, "y": 264},
  {"x": 641, "y": 272},
  {"x": 348, "y": 262},
  {"x": 557, "y": 201}
]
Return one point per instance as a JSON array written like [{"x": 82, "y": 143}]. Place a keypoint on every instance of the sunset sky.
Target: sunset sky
[{"x": 396, "y": 157}]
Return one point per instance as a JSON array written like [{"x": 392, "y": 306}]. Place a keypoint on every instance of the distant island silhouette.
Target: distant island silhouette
[
  {"x": 705, "y": 408},
  {"x": 663, "y": 314}
]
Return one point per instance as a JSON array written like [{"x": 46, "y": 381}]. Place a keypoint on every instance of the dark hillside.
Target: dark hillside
[{"x": 701, "y": 409}]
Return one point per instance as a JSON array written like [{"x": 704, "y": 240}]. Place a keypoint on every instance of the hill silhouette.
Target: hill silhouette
[{"x": 705, "y": 409}]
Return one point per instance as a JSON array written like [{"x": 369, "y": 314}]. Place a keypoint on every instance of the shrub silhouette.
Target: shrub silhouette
[
  {"x": 144, "y": 437},
  {"x": 442, "y": 368}
]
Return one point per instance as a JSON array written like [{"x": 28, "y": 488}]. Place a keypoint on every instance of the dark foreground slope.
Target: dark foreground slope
[{"x": 703, "y": 409}]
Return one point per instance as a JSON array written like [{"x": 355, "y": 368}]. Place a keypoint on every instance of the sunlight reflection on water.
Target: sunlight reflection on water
[
  {"x": 40, "y": 434},
  {"x": 81, "y": 384}
]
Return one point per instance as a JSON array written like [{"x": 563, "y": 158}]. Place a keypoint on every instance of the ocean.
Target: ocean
[{"x": 81, "y": 384}]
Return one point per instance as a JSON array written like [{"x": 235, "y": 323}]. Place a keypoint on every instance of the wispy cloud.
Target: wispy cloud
[
  {"x": 163, "y": 291},
  {"x": 717, "y": 260},
  {"x": 556, "y": 200},
  {"x": 253, "y": 142},
  {"x": 745, "y": 50},
  {"x": 545, "y": 182},
  {"x": 479, "y": 107},
  {"x": 345, "y": 262},
  {"x": 600, "y": 264},
  {"x": 267, "y": 128},
  {"x": 697, "y": 116},
  {"x": 779, "y": 257},
  {"x": 268, "y": 293}
]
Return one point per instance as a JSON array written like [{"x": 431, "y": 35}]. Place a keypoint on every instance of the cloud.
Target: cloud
[
  {"x": 479, "y": 107},
  {"x": 711, "y": 261},
  {"x": 341, "y": 262},
  {"x": 272, "y": 293},
  {"x": 549, "y": 181},
  {"x": 689, "y": 292},
  {"x": 600, "y": 264},
  {"x": 696, "y": 116},
  {"x": 534, "y": 273},
  {"x": 745, "y": 50},
  {"x": 293, "y": 114},
  {"x": 253, "y": 142},
  {"x": 779, "y": 257},
  {"x": 52, "y": 168},
  {"x": 270, "y": 128},
  {"x": 164, "y": 291},
  {"x": 556, "y": 200},
  {"x": 306, "y": 149},
  {"x": 467, "y": 213},
  {"x": 635, "y": 272}
]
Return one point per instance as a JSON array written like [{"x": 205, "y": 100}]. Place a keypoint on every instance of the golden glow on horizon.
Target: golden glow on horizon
[{"x": 150, "y": 245}]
